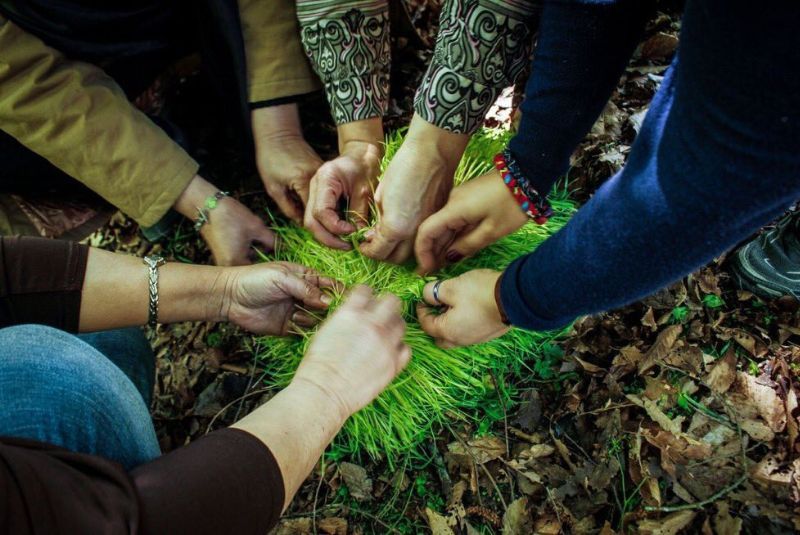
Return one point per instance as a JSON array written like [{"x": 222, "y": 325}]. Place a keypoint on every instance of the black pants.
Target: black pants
[{"x": 133, "y": 44}]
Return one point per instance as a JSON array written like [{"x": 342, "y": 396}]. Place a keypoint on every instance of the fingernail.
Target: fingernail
[
  {"x": 326, "y": 299},
  {"x": 369, "y": 234},
  {"x": 454, "y": 256}
]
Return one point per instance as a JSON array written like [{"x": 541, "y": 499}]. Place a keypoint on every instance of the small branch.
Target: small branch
[{"x": 698, "y": 505}]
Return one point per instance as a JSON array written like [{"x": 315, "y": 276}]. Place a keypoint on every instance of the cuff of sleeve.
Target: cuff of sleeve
[
  {"x": 226, "y": 482},
  {"x": 268, "y": 90},
  {"x": 520, "y": 307},
  {"x": 174, "y": 179},
  {"x": 452, "y": 101},
  {"x": 358, "y": 97}
]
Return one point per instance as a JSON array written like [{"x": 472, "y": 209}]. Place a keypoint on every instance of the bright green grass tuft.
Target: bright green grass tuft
[{"x": 438, "y": 385}]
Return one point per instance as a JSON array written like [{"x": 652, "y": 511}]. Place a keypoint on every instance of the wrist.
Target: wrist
[
  {"x": 363, "y": 132},
  {"x": 431, "y": 141},
  {"x": 194, "y": 196},
  {"x": 321, "y": 397},
  {"x": 275, "y": 123},
  {"x": 498, "y": 300},
  {"x": 191, "y": 292}
]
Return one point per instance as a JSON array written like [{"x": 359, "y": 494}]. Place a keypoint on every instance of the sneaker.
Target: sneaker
[{"x": 769, "y": 265}]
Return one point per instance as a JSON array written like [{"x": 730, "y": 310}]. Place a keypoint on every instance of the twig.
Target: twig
[
  {"x": 698, "y": 505},
  {"x": 505, "y": 412},
  {"x": 469, "y": 451},
  {"x": 316, "y": 494}
]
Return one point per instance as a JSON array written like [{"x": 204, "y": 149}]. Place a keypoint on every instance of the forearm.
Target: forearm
[
  {"x": 115, "y": 292},
  {"x": 582, "y": 51},
  {"x": 296, "y": 425},
  {"x": 427, "y": 138}
]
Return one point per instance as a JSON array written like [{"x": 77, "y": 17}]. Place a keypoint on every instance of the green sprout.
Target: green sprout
[{"x": 439, "y": 385}]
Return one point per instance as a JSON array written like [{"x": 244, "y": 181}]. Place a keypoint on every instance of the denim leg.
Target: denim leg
[
  {"x": 58, "y": 389},
  {"x": 131, "y": 352}
]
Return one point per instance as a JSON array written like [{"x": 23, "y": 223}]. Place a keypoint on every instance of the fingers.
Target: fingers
[
  {"x": 444, "y": 293},
  {"x": 328, "y": 191},
  {"x": 314, "y": 277},
  {"x": 383, "y": 244},
  {"x": 310, "y": 221},
  {"x": 358, "y": 298},
  {"x": 434, "y": 236},
  {"x": 359, "y": 210},
  {"x": 470, "y": 242},
  {"x": 431, "y": 322},
  {"x": 288, "y": 206},
  {"x": 387, "y": 310},
  {"x": 303, "y": 290}
]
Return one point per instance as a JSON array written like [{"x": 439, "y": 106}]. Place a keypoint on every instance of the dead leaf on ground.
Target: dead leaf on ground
[
  {"x": 547, "y": 524},
  {"x": 294, "y": 526},
  {"x": 723, "y": 373},
  {"x": 482, "y": 449},
  {"x": 751, "y": 394},
  {"x": 668, "y": 525},
  {"x": 358, "y": 482},
  {"x": 517, "y": 520},
  {"x": 661, "y": 347},
  {"x": 658, "y": 416},
  {"x": 724, "y": 523},
  {"x": 333, "y": 526},
  {"x": 439, "y": 524}
]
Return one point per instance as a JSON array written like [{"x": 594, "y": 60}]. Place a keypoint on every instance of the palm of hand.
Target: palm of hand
[{"x": 259, "y": 304}]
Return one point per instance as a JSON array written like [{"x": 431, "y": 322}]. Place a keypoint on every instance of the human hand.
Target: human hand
[
  {"x": 351, "y": 176},
  {"x": 478, "y": 213},
  {"x": 274, "y": 297},
  {"x": 470, "y": 313},
  {"x": 358, "y": 351},
  {"x": 231, "y": 230},
  {"x": 285, "y": 161},
  {"x": 415, "y": 185}
]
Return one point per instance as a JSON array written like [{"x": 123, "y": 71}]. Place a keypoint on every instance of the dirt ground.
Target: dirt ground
[{"x": 675, "y": 414}]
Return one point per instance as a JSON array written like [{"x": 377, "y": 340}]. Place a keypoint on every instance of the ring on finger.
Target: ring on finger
[{"x": 436, "y": 286}]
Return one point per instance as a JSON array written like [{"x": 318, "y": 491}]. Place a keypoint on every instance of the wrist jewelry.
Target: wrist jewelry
[
  {"x": 533, "y": 203},
  {"x": 209, "y": 204},
  {"x": 153, "y": 263}
]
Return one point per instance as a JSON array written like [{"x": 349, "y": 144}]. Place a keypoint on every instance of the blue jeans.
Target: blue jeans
[{"x": 87, "y": 393}]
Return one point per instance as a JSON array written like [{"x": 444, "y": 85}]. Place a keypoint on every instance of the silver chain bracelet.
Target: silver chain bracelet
[{"x": 153, "y": 262}]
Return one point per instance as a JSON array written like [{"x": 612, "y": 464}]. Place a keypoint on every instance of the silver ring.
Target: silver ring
[{"x": 436, "y": 291}]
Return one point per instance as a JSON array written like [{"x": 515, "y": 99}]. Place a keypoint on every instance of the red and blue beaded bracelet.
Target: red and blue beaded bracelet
[{"x": 531, "y": 202}]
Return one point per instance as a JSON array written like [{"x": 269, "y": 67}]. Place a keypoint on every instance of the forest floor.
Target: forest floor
[{"x": 676, "y": 414}]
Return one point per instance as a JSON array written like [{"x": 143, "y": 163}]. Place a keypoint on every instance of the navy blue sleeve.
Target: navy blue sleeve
[
  {"x": 582, "y": 50},
  {"x": 718, "y": 156}
]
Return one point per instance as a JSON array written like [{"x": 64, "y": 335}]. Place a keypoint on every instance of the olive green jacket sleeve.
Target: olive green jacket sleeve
[
  {"x": 75, "y": 116},
  {"x": 277, "y": 67}
]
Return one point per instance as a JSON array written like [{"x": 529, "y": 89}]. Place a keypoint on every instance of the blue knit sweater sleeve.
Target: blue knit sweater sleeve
[
  {"x": 582, "y": 50},
  {"x": 717, "y": 157}
]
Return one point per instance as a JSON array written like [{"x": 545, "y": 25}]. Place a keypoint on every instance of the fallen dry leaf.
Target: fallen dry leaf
[
  {"x": 723, "y": 373},
  {"x": 517, "y": 520},
  {"x": 482, "y": 449},
  {"x": 358, "y": 482},
  {"x": 439, "y": 524},
  {"x": 668, "y": 525},
  {"x": 658, "y": 416},
  {"x": 763, "y": 399},
  {"x": 724, "y": 523},
  {"x": 333, "y": 526},
  {"x": 661, "y": 347}
]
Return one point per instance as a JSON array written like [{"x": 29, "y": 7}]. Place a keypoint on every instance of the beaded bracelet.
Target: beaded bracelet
[
  {"x": 531, "y": 202},
  {"x": 210, "y": 203}
]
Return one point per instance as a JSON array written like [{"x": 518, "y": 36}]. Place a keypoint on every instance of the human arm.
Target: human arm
[
  {"x": 481, "y": 48},
  {"x": 713, "y": 162},
  {"x": 238, "y": 479},
  {"x": 279, "y": 74},
  {"x": 78, "y": 288}
]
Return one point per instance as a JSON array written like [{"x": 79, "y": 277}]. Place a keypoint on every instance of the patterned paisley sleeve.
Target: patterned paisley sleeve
[
  {"x": 347, "y": 42},
  {"x": 482, "y": 47}
]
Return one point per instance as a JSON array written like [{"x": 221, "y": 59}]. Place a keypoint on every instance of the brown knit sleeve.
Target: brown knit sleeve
[
  {"x": 226, "y": 482},
  {"x": 41, "y": 281}
]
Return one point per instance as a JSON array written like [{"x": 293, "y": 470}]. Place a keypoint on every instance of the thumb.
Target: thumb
[{"x": 470, "y": 242}]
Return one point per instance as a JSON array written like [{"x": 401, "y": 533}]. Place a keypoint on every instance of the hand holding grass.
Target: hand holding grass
[
  {"x": 416, "y": 184},
  {"x": 285, "y": 161},
  {"x": 358, "y": 351},
  {"x": 477, "y": 214},
  {"x": 273, "y": 298},
  {"x": 351, "y": 177},
  {"x": 469, "y": 313}
]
